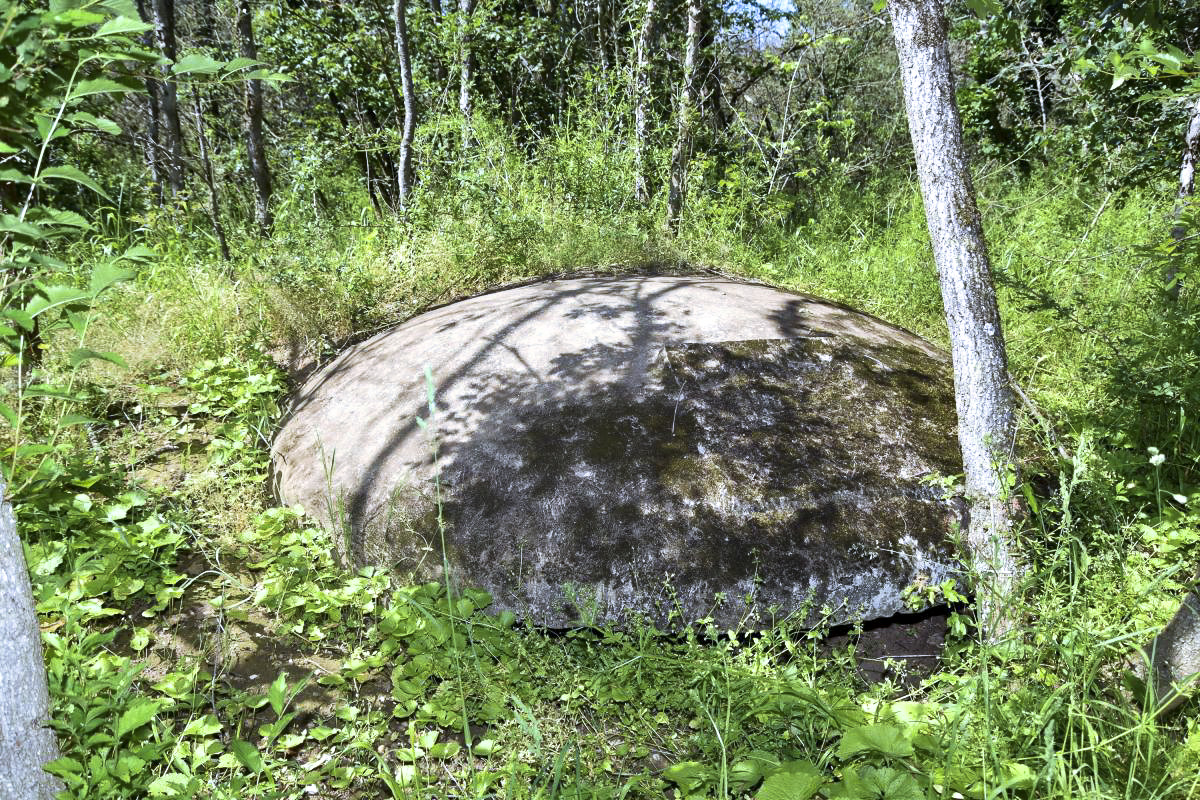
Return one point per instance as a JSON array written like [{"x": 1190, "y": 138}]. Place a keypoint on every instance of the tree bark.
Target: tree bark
[
  {"x": 708, "y": 75},
  {"x": 602, "y": 35},
  {"x": 986, "y": 409},
  {"x": 164, "y": 33},
  {"x": 681, "y": 153},
  {"x": 391, "y": 177},
  {"x": 466, "y": 68},
  {"x": 25, "y": 741},
  {"x": 404, "y": 172},
  {"x": 1174, "y": 654},
  {"x": 641, "y": 105},
  {"x": 151, "y": 145},
  {"x": 1187, "y": 186},
  {"x": 363, "y": 162},
  {"x": 210, "y": 179},
  {"x": 1191, "y": 152},
  {"x": 255, "y": 148}
]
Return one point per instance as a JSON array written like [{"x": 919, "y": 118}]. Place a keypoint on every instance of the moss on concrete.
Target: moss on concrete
[{"x": 765, "y": 467}]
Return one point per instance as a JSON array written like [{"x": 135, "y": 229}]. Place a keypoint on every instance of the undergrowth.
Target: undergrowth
[{"x": 201, "y": 641}]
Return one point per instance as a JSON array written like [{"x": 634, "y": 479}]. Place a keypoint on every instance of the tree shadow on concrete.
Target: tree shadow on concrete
[{"x": 532, "y": 494}]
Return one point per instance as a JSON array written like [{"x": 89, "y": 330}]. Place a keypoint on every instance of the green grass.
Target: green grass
[{"x": 202, "y": 642}]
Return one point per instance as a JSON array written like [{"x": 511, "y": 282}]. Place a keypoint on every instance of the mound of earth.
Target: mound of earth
[{"x": 674, "y": 447}]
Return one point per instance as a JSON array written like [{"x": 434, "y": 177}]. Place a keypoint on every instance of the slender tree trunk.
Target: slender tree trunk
[
  {"x": 151, "y": 144},
  {"x": 383, "y": 181},
  {"x": 681, "y": 153},
  {"x": 986, "y": 410},
  {"x": 1191, "y": 152},
  {"x": 466, "y": 68},
  {"x": 405, "y": 170},
  {"x": 616, "y": 32},
  {"x": 255, "y": 148},
  {"x": 210, "y": 179},
  {"x": 1175, "y": 653},
  {"x": 708, "y": 83},
  {"x": 164, "y": 33},
  {"x": 25, "y": 741},
  {"x": 602, "y": 35},
  {"x": 1187, "y": 186},
  {"x": 387, "y": 165},
  {"x": 641, "y": 105},
  {"x": 363, "y": 162}
]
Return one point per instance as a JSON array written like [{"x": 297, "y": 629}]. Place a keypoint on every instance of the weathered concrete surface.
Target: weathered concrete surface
[{"x": 640, "y": 444}]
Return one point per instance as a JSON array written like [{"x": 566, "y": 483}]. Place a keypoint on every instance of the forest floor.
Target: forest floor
[{"x": 202, "y": 641}]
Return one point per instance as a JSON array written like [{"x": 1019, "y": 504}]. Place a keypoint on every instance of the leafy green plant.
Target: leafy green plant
[
  {"x": 54, "y": 64},
  {"x": 153, "y": 541},
  {"x": 241, "y": 395}
]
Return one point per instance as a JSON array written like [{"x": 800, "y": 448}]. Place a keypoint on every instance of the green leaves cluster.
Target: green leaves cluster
[
  {"x": 60, "y": 69},
  {"x": 1175, "y": 73},
  {"x": 54, "y": 66},
  {"x": 898, "y": 753},
  {"x": 298, "y": 581},
  {"x": 241, "y": 394}
]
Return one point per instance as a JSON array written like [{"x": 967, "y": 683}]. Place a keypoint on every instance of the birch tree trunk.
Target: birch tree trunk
[
  {"x": 210, "y": 179},
  {"x": 404, "y": 171},
  {"x": 25, "y": 743},
  {"x": 681, "y": 152},
  {"x": 641, "y": 105},
  {"x": 164, "y": 33},
  {"x": 1191, "y": 152},
  {"x": 150, "y": 145},
  {"x": 986, "y": 409},
  {"x": 360, "y": 155},
  {"x": 601, "y": 44},
  {"x": 466, "y": 68},
  {"x": 255, "y": 148},
  {"x": 1187, "y": 186}
]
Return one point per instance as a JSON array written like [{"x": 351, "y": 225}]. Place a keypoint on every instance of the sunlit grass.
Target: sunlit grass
[{"x": 1091, "y": 337}]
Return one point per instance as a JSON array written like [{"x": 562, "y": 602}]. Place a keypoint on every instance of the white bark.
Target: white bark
[
  {"x": 466, "y": 68},
  {"x": 1174, "y": 654},
  {"x": 1191, "y": 151},
  {"x": 641, "y": 107},
  {"x": 256, "y": 150},
  {"x": 1187, "y": 186},
  {"x": 681, "y": 153},
  {"x": 25, "y": 743},
  {"x": 404, "y": 171},
  {"x": 986, "y": 410}
]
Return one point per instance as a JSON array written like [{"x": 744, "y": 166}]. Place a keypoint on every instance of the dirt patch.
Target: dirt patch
[{"x": 905, "y": 648}]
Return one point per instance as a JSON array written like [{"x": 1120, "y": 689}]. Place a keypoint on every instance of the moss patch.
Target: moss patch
[{"x": 746, "y": 475}]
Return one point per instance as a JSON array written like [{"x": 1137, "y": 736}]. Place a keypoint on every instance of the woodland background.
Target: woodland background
[{"x": 203, "y": 198}]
